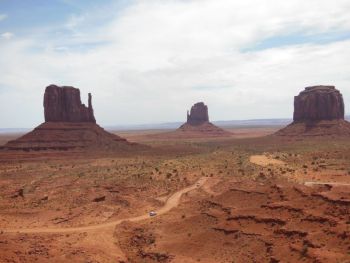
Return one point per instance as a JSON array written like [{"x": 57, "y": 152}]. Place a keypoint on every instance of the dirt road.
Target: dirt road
[{"x": 172, "y": 202}]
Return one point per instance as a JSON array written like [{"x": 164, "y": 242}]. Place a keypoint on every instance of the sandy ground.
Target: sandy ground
[
  {"x": 170, "y": 203},
  {"x": 264, "y": 160},
  {"x": 153, "y": 136},
  {"x": 252, "y": 199}
]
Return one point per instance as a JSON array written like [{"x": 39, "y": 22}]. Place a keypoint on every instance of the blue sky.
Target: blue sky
[
  {"x": 57, "y": 19},
  {"x": 148, "y": 61},
  {"x": 299, "y": 38},
  {"x": 34, "y": 13}
]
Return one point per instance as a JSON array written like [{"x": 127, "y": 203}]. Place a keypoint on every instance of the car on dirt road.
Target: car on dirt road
[{"x": 152, "y": 213}]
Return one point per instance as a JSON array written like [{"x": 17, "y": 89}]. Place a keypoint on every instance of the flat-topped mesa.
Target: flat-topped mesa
[
  {"x": 318, "y": 103},
  {"x": 318, "y": 111},
  {"x": 198, "y": 114},
  {"x": 63, "y": 104}
]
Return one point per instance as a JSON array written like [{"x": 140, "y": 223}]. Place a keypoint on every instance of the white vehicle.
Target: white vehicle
[{"x": 152, "y": 213}]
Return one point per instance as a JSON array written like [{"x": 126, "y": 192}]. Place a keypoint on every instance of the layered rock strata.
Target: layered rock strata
[
  {"x": 63, "y": 104},
  {"x": 318, "y": 111},
  {"x": 318, "y": 103},
  {"x": 68, "y": 125}
]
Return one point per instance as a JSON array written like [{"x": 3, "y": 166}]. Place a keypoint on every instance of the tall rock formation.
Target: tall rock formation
[
  {"x": 198, "y": 114},
  {"x": 318, "y": 103},
  {"x": 63, "y": 104},
  {"x": 198, "y": 124},
  {"x": 69, "y": 125},
  {"x": 318, "y": 111}
]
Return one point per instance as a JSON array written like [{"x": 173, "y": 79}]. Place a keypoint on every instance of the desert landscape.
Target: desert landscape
[
  {"x": 238, "y": 196},
  {"x": 172, "y": 131}
]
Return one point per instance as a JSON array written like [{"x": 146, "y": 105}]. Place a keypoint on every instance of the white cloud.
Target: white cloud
[
  {"x": 156, "y": 58},
  {"x": 74, "y": 21},
  {"x": 7, "y": 35},
  {"x": 3, "y": 17}
]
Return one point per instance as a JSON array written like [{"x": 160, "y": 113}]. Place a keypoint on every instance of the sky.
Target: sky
[{"x": 148, "y": 61}]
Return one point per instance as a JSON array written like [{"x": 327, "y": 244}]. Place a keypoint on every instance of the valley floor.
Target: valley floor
[{"x": 239, "y": 199}]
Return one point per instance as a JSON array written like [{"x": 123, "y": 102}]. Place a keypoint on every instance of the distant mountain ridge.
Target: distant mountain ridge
[
  {"x": 224, "y": 124},
  {"x": 175, "y": 125}
]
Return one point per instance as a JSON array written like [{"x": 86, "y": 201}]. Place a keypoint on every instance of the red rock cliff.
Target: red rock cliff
[
  {"x": 318, "y": 103},
  {"x": 198, "y": 114},
  {"x": 63, "y": 104}
]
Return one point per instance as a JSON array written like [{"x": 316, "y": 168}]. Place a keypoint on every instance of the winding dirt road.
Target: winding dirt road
[{"x": 172, "y": 202}]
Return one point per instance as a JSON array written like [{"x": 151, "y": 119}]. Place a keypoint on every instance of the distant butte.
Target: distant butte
[
  {"x": 318, "y": 111},
  {"x": 68, "y": 125},
  {"x": 198, "y": 114},
  {"x": 198, "y": 124}
]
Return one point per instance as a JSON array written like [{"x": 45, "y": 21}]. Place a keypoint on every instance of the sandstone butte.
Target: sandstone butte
[
  {"x": 63, "y": 104},
  {"x": 198, "y": 114},
  {"x": 68, "y": 125},
  {"x": 318, "y": 111},
  {"x": 198, "y": 123}
]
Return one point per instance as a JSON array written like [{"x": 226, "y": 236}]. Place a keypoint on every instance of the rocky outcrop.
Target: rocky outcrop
[
  {"x": 63, "y": 104},
  {"x": 69, "y": 125},
  {"x": 318, "y": 103},
  {"x": 198, "y": 125},
  {"x": 198, "y": 114},
  {"x": 318, "y": 111}
]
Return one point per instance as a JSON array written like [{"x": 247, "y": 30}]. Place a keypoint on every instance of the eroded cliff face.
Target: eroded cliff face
[
  {"x": 198, "y": 125},
  {"x": 318, "y": 103},
  {"x": 318, "y": 111},
  {"x": 198, "y": 114},
  {"x": 63, "y": 104},
  {"x": 69, "y": 125}
]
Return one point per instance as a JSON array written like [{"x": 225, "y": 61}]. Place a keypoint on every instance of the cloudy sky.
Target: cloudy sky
[{"x": 148, "y": 61}]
